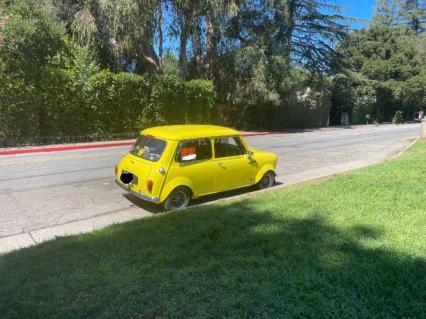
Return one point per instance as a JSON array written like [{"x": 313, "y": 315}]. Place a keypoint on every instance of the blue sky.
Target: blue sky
[{"x": 360, "y": 9}]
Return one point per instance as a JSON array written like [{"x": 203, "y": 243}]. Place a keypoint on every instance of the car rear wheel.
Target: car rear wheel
[
  {"x": 178, "y": 199},
  {"x": 268, "y": 180}
]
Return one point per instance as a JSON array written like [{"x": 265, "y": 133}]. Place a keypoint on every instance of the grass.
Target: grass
[{"x": 353, "y": 246}]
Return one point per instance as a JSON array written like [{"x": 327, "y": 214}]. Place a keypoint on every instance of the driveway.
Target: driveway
[{"x": 41, "y": 191}]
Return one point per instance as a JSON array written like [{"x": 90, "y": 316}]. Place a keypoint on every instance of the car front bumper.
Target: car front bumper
[{"x": 138, "y": 195}]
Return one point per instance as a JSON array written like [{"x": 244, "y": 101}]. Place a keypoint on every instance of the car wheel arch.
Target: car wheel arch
[
  {"x": 170, "y": 186},
  {"x": 265, "y": 168}
]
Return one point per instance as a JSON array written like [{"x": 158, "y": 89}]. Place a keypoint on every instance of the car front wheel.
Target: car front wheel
[
  {"x": 178, "y": 199},
  {"x": 268, "y": 180}
]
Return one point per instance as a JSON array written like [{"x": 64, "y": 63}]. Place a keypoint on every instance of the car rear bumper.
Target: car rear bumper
[{"x": 138, "y": 195}]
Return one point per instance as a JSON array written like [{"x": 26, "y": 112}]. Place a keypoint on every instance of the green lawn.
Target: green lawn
[{"x": 352, "y": 246}]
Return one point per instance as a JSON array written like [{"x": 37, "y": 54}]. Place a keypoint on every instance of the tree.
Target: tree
[
  {"x": 122, "y": 31},
  {"x": 30, "y": 40},
  {"x": 303, "y": 30},
  {"x": 170, "y": 64},
  {"x": 183, "y": 11},
  {"x": 383, "y": 72},
  {"x": 260, "y": 54},
  {"x": 387, "y": 12},
  {"x": 413, "y": 13},
  {"x": 256, "y": 46}
]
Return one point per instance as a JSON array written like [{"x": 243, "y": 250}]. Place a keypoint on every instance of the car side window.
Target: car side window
[
  {"x": 194, "y": 150},
  {"x": 228, "y": 146}
]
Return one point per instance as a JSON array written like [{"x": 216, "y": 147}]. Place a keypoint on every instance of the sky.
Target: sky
[{"x": 359, "y": 9}]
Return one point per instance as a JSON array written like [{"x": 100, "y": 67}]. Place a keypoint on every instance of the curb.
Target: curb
[
  {"x": 406, "y": 148},
  {"x": 60, "y": 148}
]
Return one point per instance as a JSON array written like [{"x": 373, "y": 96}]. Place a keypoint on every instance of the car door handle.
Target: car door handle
[{"x": 221, "y": 164}]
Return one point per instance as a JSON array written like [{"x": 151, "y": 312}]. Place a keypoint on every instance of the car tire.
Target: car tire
[
  {"x": 178, "y": 199},
  {"x": 268, "y": 180}
]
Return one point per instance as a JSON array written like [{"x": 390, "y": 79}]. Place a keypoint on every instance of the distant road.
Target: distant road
[{"x": 45, "y": 189}]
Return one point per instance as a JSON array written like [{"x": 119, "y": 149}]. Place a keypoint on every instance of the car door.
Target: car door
[
  {"x": 193, "y": 161},
  {"x": 233, "y": 168}
]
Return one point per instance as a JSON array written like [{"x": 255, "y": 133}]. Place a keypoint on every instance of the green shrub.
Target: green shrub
[
  {"x": 200, "y": 101},
  {"x": 104, "y": 103},
  {"x": 166, "y": 104},
  {"x": 174, "y": 101},
  {"x": 115, "y": 100}
]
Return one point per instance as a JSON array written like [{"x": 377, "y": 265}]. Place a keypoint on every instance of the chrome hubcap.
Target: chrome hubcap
[
  {"x": 179, "y": 200},
  {"x": 267, "y": 181}
]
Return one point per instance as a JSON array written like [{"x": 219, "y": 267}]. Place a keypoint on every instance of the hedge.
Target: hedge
[
  {"x": 107, "y": 103},
  {"x": 116, "y": 101},
  {"x": 173, "y": 102}
]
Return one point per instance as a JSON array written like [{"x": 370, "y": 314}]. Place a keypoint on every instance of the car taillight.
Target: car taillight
[
  {"x": 116, "y": 169},
  {"x": 149, "y": 185}
]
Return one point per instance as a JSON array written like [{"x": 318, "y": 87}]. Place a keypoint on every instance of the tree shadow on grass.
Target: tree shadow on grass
[{"x": 236, "y": 260}]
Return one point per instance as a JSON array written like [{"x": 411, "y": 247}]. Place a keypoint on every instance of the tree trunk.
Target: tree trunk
[
  {"x": 211, "y": 54},
  {"x": 148, "y": 59},
  {"x": 291, "y": 9},
  {"x": 186, "y": 29},
  {"x": 160, "y": 34},
  {"x": 196, "y": 44},
  {"x": 182, "y": 51}
]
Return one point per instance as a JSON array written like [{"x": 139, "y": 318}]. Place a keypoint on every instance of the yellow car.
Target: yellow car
[{"x": 170, "y": 165}]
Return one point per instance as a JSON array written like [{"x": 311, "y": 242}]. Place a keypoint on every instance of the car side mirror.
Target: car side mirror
[{"x": 250, "y": 154}]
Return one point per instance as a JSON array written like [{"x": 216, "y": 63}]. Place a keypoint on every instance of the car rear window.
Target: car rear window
[{"x": 148, "y": 147}]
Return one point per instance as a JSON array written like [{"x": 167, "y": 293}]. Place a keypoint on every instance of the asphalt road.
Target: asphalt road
[{"x": 46, "y": 189}]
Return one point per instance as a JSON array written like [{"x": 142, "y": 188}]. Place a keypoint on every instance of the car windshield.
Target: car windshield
[{"x": 148, "y": 147}]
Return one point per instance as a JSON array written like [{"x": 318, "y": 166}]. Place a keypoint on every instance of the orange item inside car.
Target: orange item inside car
[{"x": 187, "y": 151}]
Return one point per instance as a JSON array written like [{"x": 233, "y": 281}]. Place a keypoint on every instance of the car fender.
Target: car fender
[
  {"x": 169, "y": 186},
  {"x": 265, "y": 168}
]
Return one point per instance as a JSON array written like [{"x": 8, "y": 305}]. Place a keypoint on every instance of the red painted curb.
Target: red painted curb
[
  {"x": 45, "y": 149},
  {"x": 62, "y": 148}
]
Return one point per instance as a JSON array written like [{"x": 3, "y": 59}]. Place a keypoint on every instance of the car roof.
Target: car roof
[{"x": 185, "y": 132}]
